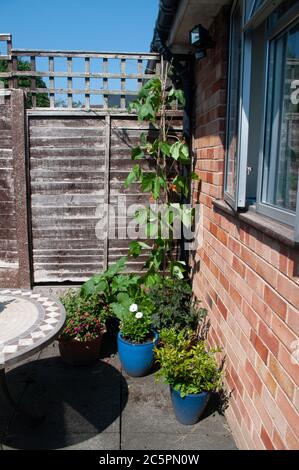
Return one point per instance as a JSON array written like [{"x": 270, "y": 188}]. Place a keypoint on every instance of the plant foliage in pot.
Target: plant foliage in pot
[
  {"x": 191, "y": 371},
  {"x": 81, "y": 339},
  {"x": 136, "y": 341}
]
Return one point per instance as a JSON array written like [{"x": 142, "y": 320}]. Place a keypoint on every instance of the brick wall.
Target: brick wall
[{"x": 248, "y": 281}]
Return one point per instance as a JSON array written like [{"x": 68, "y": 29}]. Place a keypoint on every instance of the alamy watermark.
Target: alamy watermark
[
  {"x": 145, "y": 222},
  {"x": 2, "y": 92}
]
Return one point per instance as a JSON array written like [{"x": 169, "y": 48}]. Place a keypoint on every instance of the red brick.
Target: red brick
[
  {"x": 222, "y": 236},
  {"x": 291, "y": 440},
  {"x": 222, "y": 308},
  {"x": 276, "y": 303},
  {"x": 288, "y": 289},
  {"x": 285, "y": 359},
  {"x": 237, "y": 381},
  {"x": 224, "y": 281},
  {"x": 277, "y": 441},
  {"x": 293, "y": 319},
  {"x": 251, "y": 316},
  {"x": 267, "y": 272},
  {"x": 262, "y": 310},
  {"x": 266, "y": 377},
  {"x": 259, "y": 346},
  {"x": 289, "y": 412},
  {"x": 255, "y": 282},
  {"x": 268, "y": 338},
  {"x": 255, "y": 380},
  {"x": 262, "y": 411},
  {"x": 238, "y": 266},
  {"x": 266, "y": 439},
  {"x": 249, "y": 257},
  {"x": 281, "y": 376},
  {"x": 236, "y": 297},
  {"x": 282, "y": 332},
  {"x": 283, "y": 259},
  {"x": 234, "y": 246}
]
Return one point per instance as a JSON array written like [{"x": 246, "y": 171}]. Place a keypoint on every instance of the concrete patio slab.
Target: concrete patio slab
[{"x": 99, "y": 408}]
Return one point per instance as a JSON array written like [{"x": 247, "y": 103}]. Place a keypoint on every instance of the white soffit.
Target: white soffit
[{"x": 189, "y": 14}]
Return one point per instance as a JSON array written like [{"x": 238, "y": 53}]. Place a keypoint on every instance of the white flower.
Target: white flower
[
  {"x": 139, "y": 315},
  {"x": 133, "y": 308}
]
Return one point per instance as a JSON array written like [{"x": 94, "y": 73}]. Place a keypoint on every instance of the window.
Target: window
[
  {"x": 262, "y": 148},
  {"x": 281, "y": 162},
  {"x": 233, "y": 103}
]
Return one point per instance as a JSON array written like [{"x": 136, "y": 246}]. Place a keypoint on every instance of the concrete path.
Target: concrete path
[{"x": 99, "y": 408}]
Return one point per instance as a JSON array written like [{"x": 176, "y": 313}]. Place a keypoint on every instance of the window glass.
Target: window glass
[
  {"x": 281, "y": 164},
  {"x": 233, "y": 103}
]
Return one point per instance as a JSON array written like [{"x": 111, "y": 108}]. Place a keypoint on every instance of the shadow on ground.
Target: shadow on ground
[{"x": 78, "y": 403}]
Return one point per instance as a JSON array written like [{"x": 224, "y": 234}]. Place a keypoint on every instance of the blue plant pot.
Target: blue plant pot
[
  {"x": 189, "y": 409},
  {"x": 136, "y": 359}
]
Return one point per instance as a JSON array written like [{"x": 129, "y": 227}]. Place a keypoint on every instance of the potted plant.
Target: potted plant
[
  {"x": 136, "y": 341},
  {"x": 190, "y": 370},
  {"x": 173, "y": 304},
  {"x": 81, "y": 339}
]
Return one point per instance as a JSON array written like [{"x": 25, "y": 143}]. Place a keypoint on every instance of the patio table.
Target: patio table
[{"x": 28, "y": 322}]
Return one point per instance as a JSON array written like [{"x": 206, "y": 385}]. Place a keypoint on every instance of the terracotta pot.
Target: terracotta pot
[{"x": 78, "y": 353}]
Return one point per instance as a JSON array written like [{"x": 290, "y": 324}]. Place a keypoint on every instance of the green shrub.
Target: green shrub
[
  {"x": 173, "y": 305},
  {"x": 186, "y": 364}
]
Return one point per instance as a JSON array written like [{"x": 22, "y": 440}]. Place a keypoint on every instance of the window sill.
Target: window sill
[{"x": 270, "y": 227}]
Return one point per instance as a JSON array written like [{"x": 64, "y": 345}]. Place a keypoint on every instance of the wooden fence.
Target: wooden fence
[{"x": 60, "y": 167}]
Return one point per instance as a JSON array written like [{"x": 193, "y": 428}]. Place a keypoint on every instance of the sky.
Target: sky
[{"x": 94, "y": 25}]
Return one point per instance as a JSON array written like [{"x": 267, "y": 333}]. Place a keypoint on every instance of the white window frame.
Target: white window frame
[
  {"x": 239, "y": 202},
  {"x": 281, "y": 215}
]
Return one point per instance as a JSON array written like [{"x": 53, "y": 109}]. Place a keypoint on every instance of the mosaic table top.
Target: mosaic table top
[{"x": 28, "y": 322}]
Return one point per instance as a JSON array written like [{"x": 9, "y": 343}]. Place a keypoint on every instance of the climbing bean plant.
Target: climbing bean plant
[{"x": 165, "y": 181}]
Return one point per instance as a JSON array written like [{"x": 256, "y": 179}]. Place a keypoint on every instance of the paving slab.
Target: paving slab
[
  {"x": 100, "y": 408},
  {"x": 80, "y": 404},
  {"x": 148, "y": 421}
]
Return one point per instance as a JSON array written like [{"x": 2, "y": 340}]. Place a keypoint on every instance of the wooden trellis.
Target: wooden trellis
[{"x": 106, "y": 66}]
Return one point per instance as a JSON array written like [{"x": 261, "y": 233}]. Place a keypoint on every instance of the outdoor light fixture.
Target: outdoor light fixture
[{"x": 201, "y": 39}]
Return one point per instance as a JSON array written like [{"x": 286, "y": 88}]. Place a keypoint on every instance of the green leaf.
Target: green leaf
[
  {"x": 137, "y": 153},
  {"x": 182, "y": 183},
  {"x": 143, "y": 139},
  {"x": 147, "y": 181},
  {"x": 177, "y": 268},
  {"x": 184, "y": 152},
  {"x": 165, "y": 148},
  {"x": 156, "y": 187},
  {"x": 151, "y": 230},
  {"x": 194, "y": 176},
  {"x": 116, "y": 267},
  {"x": 133, "y": 176},
  {"x": 187, "y": 215},
  {"x": 179, "y": 94},
  {"x": 175, "y": 150},
  {"x": 141, "y": 216},
  {"x": 136, "y": 248}
]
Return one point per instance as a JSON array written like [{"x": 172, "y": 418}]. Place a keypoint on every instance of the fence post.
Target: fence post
[
  {"x": 107, "y": 189},
  {"x": 19, "y": 146}
]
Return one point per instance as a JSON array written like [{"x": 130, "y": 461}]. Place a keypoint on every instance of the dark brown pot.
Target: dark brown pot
[{"x": 78, "y": 353}]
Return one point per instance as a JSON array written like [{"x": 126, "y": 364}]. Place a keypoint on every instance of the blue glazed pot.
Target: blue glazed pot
[
  {"x": 189, "y": 409},
  {"x": 136, "y": 359}
]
